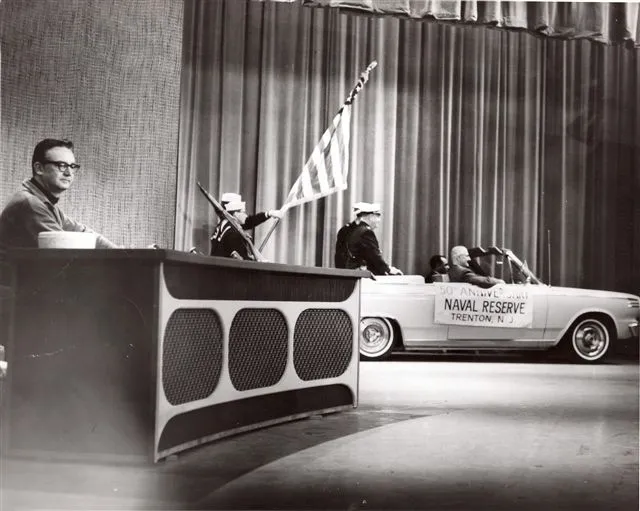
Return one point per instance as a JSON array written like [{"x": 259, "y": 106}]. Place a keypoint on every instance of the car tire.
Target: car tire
[
  {"x": 376, "y": 339},
  {"x": 589, "y": 340}
]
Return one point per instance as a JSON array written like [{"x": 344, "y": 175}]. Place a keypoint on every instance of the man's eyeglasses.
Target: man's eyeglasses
[{"x": 63, "y": 166}]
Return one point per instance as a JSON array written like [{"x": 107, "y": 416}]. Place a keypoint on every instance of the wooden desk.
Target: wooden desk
[{"x": 145, "y": 353}]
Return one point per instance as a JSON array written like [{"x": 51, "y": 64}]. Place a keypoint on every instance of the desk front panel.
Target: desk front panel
[{"x": 228, "y": 363}]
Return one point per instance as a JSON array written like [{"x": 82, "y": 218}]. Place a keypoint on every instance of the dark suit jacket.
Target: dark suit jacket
[
  {"x": 434, "y": 276},
  {"x": 365, "y": 250},
  {"x": 459, "y": 273},
  {"x": 341, "y": 256}
]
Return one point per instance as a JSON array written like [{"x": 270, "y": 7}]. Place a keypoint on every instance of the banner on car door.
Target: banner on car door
[{"x": 469, "y": 305}]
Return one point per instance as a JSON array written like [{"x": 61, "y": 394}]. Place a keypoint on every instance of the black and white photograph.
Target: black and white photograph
[{"x": 319, "y": 255}]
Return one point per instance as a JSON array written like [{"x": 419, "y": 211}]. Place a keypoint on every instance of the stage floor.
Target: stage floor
[{"x": 430, "y": 433}]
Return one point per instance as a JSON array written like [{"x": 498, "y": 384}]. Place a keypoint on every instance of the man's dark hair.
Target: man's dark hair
[
  {"x": 436, "y": 261},
  {"x": 43, "y": 146}
]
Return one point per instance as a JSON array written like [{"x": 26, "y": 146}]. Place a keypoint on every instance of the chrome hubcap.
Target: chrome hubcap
[
  {"x": 375, "y": 336},
  {"x": 591, "y": 340}
]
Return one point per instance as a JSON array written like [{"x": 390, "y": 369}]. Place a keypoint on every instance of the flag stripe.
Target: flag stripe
[
  {"x": 322, "y": 182},
  {"x": 326, "y": 170},
  {"x": 340, "y": 151}
]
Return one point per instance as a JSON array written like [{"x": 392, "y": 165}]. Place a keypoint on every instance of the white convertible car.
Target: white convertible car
[{"x": 403, "y": 313}]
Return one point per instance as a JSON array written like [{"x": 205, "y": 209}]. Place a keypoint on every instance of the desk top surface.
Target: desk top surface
[{"x": 169, "y": 256}]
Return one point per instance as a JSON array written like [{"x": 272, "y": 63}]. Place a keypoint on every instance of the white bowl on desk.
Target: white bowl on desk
[{"x": 67, "y": 239}]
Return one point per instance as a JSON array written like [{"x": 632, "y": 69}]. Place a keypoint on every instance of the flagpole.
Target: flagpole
[
  {"x": 222, "y": 214},
  {"x": 266, "y": 238},
  {"x": 364, "y": 77}
]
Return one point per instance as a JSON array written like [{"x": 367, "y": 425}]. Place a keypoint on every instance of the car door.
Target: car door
[
  {"x": 514, "y": 311},
  {"x": 408, "y": 301}
]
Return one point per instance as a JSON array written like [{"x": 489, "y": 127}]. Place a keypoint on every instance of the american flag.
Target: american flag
[{"x": 327, "y": 168}]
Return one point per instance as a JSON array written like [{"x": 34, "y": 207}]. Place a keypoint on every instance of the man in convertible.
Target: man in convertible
[
  {"x": 460, "y": 271},
  {"x": 439, "y": 268}
]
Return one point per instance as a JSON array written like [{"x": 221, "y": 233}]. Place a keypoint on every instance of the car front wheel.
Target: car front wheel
[
  {"x": 376, "y": 338},
  {"x": 590, "y": 340}
]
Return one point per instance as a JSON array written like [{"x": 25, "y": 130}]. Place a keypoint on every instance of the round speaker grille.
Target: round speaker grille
[
  {"x": 191, "y": 355},
  {"x": 258, "y": 344},
  {"x": 322, "y": 343}
]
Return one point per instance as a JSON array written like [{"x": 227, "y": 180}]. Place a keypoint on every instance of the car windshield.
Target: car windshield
[
  {"x": 523, "y": 268},
  {"x": 505, "y": 266}
]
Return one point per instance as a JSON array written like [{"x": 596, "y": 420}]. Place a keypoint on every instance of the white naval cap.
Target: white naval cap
[
  {"x": 231, "y": 197},
  {"x": 357, "y": 207},
  {"x": 235, "y": 206},
  {"x": 366, "y": 208}
]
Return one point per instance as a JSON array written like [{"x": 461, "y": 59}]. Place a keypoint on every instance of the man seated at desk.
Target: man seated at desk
[{"x": 34, "y": 208}]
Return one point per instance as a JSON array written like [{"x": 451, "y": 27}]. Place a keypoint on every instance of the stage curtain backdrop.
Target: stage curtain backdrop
[
  {"x": 464, "y": 134},
  {"x": 606, "y": 22}
]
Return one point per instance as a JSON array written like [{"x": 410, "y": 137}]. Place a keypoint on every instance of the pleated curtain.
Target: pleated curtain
[{"x": 465, "y": 134}]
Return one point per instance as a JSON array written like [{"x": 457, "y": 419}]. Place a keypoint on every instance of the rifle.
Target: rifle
[{"x": 223, "y": 215}]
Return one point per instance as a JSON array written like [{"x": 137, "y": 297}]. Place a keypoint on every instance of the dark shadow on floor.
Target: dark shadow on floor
[{"x": 183, "y": 480}]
